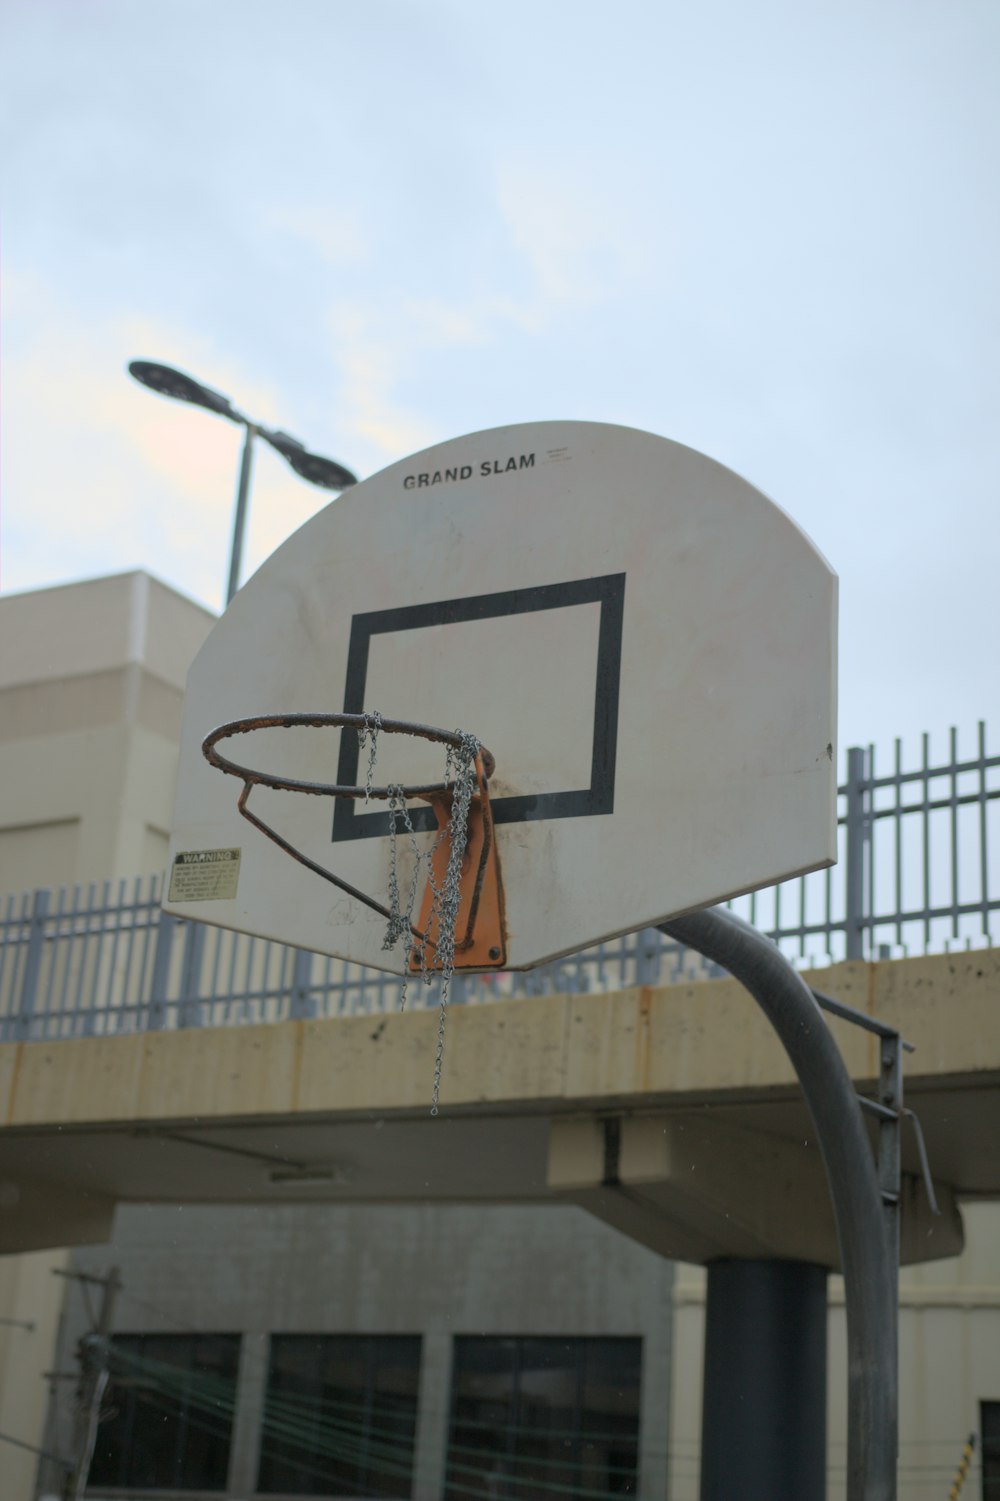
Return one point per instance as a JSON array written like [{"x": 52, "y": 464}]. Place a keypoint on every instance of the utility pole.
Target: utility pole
[{"x": 94, "y": 1351}]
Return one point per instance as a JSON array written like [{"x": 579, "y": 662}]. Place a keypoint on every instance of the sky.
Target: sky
[{"x": 770, "y": 232}]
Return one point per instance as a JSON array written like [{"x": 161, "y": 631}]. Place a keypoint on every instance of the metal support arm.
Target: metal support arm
[{"x": 870, "y": 1276}]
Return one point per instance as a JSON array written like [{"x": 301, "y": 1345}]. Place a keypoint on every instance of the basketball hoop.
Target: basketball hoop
[
  {"x": 461, "y": 922},
  {"x": 461, "y": 919}
]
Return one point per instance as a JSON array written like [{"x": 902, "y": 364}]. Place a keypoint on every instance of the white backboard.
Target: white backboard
[{"x": 645, "y": 643}]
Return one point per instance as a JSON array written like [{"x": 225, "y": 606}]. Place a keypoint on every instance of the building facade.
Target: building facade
[
  {"x": 91, "y": 685},
  {"x": 423, "y": 1351}
]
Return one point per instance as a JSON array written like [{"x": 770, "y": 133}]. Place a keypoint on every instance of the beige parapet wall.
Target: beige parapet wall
[
  {"x": 699, "y": 1058},
  {"x": 695, "y": 1043}
]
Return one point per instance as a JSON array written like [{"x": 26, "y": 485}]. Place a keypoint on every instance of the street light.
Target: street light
[{"x": 313, "y": 467}]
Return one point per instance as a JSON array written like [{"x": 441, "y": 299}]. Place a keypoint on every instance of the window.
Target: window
[
  {"x": 340, "y": 1415},
  {"x": 989, "y": 1428},
  {"x": 544, "y": 1419},
  {"x": 169, "y": 1406}
]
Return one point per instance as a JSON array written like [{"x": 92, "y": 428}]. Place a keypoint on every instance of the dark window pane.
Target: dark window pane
[
  {"x": 169, "y": 1412},
  {"x": 989, "y": 1427},
  {"x": 544, "y": 1419},
  {"x": 340, "y": 1415},
  {"x": 990, "y": 1422},
  {"x": 482, "y": 1411}
]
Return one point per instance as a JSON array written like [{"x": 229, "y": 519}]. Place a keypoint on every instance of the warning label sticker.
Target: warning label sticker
[{"x": 204, "y": 875}]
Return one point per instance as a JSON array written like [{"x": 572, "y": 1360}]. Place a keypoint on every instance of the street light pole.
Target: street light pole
[
  {"x": 239, "y": 520},
  {"x": 329, "y": 475}
]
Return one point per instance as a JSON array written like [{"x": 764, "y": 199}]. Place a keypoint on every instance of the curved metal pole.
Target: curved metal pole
[{"x": 869, "y": 1277}]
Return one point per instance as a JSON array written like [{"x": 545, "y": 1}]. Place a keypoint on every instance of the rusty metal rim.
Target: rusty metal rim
[{"x": 331, "y": 721}]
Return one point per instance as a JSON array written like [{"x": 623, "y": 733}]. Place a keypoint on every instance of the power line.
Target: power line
[
  {"x": 295, "y": 1424},
  {"x": 293, "y": 1421}
]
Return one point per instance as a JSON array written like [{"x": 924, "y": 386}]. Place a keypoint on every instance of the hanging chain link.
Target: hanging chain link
[
  {"x": 446, "y": 896},
  {"x": 400, "y": 923},
  {"x": 368, "y": 734},
  {"x": 461, "y": 764}
]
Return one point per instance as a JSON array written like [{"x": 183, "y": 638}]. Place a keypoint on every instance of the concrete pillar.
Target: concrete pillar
[
  {"x": 763, "y": 1431},
  {"x": 654, "y": 1393},
  {"x": 433, "y": 1410},
  {"x": 251, "y": 1386}
]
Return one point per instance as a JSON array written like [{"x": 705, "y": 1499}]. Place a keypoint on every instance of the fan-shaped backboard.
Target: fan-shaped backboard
[{"x": 644, "y": 641}]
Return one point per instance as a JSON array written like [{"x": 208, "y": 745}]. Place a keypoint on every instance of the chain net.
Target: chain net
[{"x": 446, "y": 894}]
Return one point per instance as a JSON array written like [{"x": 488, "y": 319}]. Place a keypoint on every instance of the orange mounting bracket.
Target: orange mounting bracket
[{"x": 480, "y": 930}]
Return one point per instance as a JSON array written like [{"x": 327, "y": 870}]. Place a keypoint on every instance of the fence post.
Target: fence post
[
  {"x": 160, "y": 979},
  {"x": 649, "y": 948},
  {"x": 32, "y": 962},
  {"x": 858, "y": 834},
  {"x": 303, "y": 1002},
  {"x": 189, "y": 1004}
]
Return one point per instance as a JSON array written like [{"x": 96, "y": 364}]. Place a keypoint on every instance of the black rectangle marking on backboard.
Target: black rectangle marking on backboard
[{"x": 607, "y": 591}]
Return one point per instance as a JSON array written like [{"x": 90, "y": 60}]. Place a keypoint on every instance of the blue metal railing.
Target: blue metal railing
[{"x": 919, "y": 846}]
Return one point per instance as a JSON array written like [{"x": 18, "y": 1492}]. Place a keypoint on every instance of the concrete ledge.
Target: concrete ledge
[
  {"x": 715, "y": 1150},
  {"x": 706, "y": 1042},
  {"x": 695, "y": 1188},
  {"x": 36, "y": 1215}
]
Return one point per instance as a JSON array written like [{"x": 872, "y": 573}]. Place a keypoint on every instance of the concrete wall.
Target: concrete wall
[
  {"x": 30, "y": 1301},
  {"x": 435, "y": 1271},
  {"x": 91, "y": 686}
]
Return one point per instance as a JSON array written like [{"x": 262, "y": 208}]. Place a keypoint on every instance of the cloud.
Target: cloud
[
  {"x": 570, "y": 236},
  {"x": 336, "y": 238},
  {"x": 372, "y": 351},
  {"x": 580, "y": 227},
  {"x": 100, "y": 475}
]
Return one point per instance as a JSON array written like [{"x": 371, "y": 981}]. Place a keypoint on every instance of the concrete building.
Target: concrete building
[
  {"x": 543, "y": 1309},
  {"x": 91, "y": 683},
  {"x": 427, "y": 1348}
]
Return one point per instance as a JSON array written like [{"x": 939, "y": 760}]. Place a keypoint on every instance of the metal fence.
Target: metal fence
[{"x": 916, "y": 844}]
